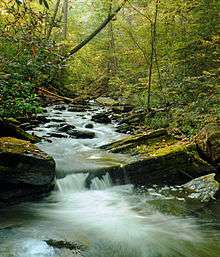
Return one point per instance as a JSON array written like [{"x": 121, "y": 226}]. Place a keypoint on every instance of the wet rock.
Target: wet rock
[
  {"x": 78, "y": 108},
  {"x": 73, "y": 246},
  {"x": 66, "y": 128},
  {"x": 57, "y": 120},
  {"x": 160, "y": 159},
  {"x": 25, "y": 170},
  {"x": 89, "y": 126},
  {"x": 208, "y": 143},
  {"x": 101, "y": 118},
  {"x": 57, "y": 135},
  {"x": 60, "y": 107},
  {"x": 204, "y": 188},
  {"x": 27, "y": 126},
  {"x": 41, "y": 119},
  {"x": 8, "y": 129},
  {"x": 81, "y": 134},
  {"x": 122, "y": 109},
  {"x": 55, "y": 125}
]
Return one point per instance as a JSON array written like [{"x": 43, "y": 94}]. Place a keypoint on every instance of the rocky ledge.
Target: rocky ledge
[
  {"x": 163, "y": 157},
  {"x": 25, "y": 171}
]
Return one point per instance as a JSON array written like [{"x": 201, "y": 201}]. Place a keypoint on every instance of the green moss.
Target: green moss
[
  {"x": 9, "y": 129},
  {"x": 17, "y": 146},
  {"x": 131, "y": 142}
]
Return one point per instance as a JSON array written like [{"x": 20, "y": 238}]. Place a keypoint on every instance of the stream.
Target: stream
[{"x": 110, "y": 220}]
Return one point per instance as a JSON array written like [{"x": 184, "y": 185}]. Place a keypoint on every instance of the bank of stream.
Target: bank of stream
[{"x": 109, "y": 220}]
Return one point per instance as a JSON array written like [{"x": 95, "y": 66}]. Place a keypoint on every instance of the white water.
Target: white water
[{"x": 112, "y": 221}]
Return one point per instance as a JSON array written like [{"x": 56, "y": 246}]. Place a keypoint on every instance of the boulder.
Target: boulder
[
  {"x": 25, "y": 170},
  {"x": 204, "y": 188},
  {"x": 10, "y": 129},
  {"x": 106, "y": 101},
  {"x": 89, "y": 126},
  {"x": 101, "y": 118},
  {"x": 208, "y": 143},
  {"x": 160, "y": 159},
  {"x": 81, "y": 134},
  {"x": 67, "y": 127},
  {"x": 60, "y": 107}
]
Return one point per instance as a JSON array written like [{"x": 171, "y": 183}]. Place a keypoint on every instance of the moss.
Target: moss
[
  {"x": 9, "y": 129},
  {"x": 11, "y": 145},
  {"x": 178, "y": 147},
  {"x": 130, "y": 142}
]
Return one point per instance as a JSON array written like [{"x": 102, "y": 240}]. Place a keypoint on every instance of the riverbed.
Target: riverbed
[{"x": 110, "y": 220}]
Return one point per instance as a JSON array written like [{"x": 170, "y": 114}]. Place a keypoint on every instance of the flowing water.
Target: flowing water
[{"x": 111, "y": 221}]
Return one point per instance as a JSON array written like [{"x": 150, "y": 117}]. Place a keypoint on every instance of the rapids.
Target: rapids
[{"x": 111, "y": 220}]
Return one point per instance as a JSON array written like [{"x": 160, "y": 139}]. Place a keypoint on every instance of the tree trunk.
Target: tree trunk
[
  {"x": 65, "y": 18},
  {"x": 51, "y": 25},
  {"x": 113, "y": 62},
  {"x": 153, "y": 38}
]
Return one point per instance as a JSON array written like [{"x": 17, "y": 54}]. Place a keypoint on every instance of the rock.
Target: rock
[
  {"x": 101, "y": 118},
  {"x": 81, "y": 134},
  {"x": 57, "y": 120},
  {"x": 160, "y": 159},
  {"x": 57, "y": 135},
  {"x": 208, "y": 143},
  {"x": 25, "y": 170},
  {"x": 8, "y": 129},
  {"x": 204, "y": 188},
  {"x": 128, "y": 143},
  {"x": 122, "y": 108},
  {"x": 60, "y": 107},
  {"x": 76, "y": 247},
  {"x": 106, "y": 101},
  {"x": 66, "y": 128},
  {"x": 89, "y": 126},
  {"x": 78, "y": 108}
]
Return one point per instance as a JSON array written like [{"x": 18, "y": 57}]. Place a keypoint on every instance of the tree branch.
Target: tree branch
[{"x": 95, "y": 32}]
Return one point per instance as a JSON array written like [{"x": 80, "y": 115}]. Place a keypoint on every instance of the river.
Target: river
[{"x": 111, "y": 220}]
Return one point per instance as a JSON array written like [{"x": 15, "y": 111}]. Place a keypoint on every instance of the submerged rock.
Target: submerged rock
[
  {"x": 25, "y": 171},
  {"x": 204, "y": 188},
  {"x": 76, "y": 247}
]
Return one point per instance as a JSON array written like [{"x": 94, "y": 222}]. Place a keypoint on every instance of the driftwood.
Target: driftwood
[{"x": 53, "y": 96}]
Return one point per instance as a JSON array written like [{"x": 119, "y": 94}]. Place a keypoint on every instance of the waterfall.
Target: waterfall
[
  {"x": 100, "y": 184},
  {"x": 76, "y": 183}
]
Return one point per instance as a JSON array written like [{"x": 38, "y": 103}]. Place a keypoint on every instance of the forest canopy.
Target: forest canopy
[{"x": 156, "y": 55}]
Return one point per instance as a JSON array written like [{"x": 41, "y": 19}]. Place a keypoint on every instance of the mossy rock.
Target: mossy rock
[
  {"x": 106, "y": 101},
  {"x": 25, "y": 170},
  {"x": 9, "y": 128},
  {"x": 130, "y": 143},
  {"x": 208, "y": 143},
  {"x": 160, "y": 159}
]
